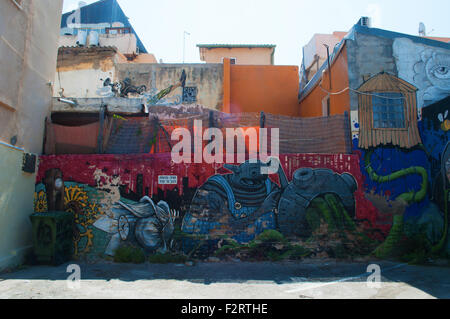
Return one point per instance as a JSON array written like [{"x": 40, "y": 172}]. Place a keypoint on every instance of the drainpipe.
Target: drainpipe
[
  {"x": 67, "y": 101},
  {"x": 329, "y": 65}
]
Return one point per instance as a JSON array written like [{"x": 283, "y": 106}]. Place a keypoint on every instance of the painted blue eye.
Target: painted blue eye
[{"x": 441, "y": 72}]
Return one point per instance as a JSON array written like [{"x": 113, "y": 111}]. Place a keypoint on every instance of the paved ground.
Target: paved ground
[{"x": 235, "y": 280}]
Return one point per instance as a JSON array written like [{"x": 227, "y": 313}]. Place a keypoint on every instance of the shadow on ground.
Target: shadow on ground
[{"x": 432, "y": 280}]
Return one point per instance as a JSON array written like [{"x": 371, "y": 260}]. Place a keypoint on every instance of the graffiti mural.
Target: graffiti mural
[
  {"x": 313, "y": 200},
  {"x": 153, "y": 96},
  {"x": 407, "y": 185},
  {"x": 384, "y": 200},
  {"x": 241, "y": 204},
  {"x": 428, "y": 68}
]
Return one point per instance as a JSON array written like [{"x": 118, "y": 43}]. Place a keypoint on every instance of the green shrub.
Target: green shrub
[
  {"x": 127, "y": 254},
  {"x": 271, "y": 236},
  {"x": 298, "y": 252}
]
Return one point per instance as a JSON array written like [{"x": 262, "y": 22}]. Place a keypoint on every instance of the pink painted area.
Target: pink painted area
[{"x": 81, "y": 169}]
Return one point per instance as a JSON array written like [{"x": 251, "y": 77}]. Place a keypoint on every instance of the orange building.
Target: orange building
[
  {"x": 260, "y": 88},
  {"x": 249, "y": 54}
]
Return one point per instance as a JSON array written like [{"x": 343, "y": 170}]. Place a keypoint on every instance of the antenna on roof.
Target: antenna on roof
[{"x": 422, "y": 29}]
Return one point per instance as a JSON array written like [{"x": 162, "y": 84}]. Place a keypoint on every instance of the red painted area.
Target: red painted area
[{"x": 81, "y": 169}]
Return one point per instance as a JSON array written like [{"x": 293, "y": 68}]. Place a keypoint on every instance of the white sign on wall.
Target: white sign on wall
[{"x": 167, "y": 180}]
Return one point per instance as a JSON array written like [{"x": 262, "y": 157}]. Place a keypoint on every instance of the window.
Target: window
[
  {"x": 232, "y": 60},
  {"x": 388, "y": 110}
]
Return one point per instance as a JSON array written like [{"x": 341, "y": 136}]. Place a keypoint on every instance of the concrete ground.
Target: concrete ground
[{"x": 229, "y": 280}]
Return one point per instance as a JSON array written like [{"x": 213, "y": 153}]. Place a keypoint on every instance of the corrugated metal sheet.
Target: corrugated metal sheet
[{"x": 370, "y": 136}]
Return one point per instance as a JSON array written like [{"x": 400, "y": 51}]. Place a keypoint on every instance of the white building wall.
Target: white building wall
[{"x": 28, "y": 48}]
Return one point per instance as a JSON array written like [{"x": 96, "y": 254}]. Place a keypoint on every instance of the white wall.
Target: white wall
[
  {"x": 125, "y": 43},
  {"x": 28, "y": 49}
]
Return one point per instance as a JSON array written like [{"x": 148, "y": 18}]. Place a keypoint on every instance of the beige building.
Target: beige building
[
  {"x": 315, "y": 52},
  {"x": 29, "y": 32},
  {"x": 244, "y": 54}
]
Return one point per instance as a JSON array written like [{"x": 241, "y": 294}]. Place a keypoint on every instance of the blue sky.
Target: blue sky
[{"x": 289, "y": 24}]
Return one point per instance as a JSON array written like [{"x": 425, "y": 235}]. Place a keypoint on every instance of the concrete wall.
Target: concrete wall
[
  {"x": 249, "y": 56},
  {"x": 28, "y": 50},
  {"x": 207, "y": 78},
  {"x": 367, "y": 56},
  {"x": 81, "y": 71},
  {"x": 28, "y": 47}
]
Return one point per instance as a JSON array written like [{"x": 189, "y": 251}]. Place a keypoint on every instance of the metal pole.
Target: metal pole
[
  {"x": 329, "y": 66},
  {"x": 184, "y": 44}
]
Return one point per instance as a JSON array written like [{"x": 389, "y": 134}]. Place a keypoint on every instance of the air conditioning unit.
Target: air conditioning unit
[
  {"x": 365, "y": 22},
  {"x": 81, "y": 38},
  {"x": 94, "y": 39}
]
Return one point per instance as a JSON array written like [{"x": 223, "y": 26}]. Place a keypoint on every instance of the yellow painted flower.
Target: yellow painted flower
[
  {"x": 40, "y": 202},
  {"x": 75, "y": 194}
]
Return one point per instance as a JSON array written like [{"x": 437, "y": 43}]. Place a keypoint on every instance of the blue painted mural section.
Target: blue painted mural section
[{"x": 388, "y": 160}]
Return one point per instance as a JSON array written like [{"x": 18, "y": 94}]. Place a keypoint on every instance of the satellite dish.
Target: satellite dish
[{"x": 422, "y": 29}]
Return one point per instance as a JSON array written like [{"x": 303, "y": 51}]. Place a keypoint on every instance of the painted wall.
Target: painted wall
[
  {"x": 401, "y": 180},
  {"x": 81, "y": 71},
  {"x": 368, "y": 52},
  {"x": 426, "y": 67},
  {"x": 312, "y": 105},
  {"x": 243, "y": 56},
  {"x": 213, "y": 200},
  {"x": 402, "y": 184},
  {"x": 206, "y": 78},
  {"x": 271, "y": 89},
  {"x": 28, "y": 46}
]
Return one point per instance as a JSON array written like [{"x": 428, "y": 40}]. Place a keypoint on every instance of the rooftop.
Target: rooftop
[
  {"x": 103, "y": 12},
  {"x": 439, "y": 42}
]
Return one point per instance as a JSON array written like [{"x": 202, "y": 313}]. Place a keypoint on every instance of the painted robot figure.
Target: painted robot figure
[
  {"x": 150, "y": 226},
  {"x": 240, "y": 205}
]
